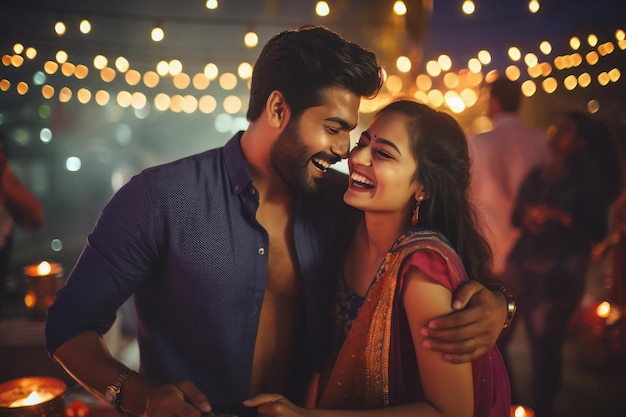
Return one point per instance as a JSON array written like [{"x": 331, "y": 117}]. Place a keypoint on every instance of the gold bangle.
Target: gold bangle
[{"x": 511, "y": 306}]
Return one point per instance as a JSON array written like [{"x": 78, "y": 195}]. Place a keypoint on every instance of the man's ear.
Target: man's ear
[{"x": 277, "y": 109}]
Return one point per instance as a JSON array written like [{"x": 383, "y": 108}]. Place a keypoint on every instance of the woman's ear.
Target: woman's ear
[
  {"x": 277, "y": 109},
  {"x": 421, "y": 195}
]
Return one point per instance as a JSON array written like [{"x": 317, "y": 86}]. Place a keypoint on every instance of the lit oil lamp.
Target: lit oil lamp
[
  {"x": 44, "y": 280},
  {"x": 521, "y": 411},
  {"x": 32, "y": 397}
]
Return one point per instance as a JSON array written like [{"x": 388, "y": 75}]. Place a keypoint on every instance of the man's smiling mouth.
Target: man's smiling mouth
[{"x": 321, "y": 164}]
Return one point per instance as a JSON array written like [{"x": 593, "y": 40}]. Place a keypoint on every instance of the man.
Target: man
[
  {"x": 501, "y": 159},
  {"x": 229, "y": 253}
]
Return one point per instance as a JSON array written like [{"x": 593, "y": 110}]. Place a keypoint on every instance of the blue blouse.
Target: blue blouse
[{"x": 183, "y": 239}]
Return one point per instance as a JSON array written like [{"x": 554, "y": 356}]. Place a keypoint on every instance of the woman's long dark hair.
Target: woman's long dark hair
[{"x": 440, "y": 149}]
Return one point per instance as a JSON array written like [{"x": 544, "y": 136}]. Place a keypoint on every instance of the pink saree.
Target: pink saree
[{"x": 376, "y": 365}]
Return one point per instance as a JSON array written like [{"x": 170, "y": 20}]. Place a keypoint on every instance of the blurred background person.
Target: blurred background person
[
  {"x": 18, "y": 207},
  {"x": 561, "y": 210},
  {"x": 501, "y": 159}
]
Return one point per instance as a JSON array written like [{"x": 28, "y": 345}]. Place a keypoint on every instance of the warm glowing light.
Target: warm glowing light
[
  {"x": 403, "y": 63},
  {"x": 232, "y": 104},
  {"x": 162, "y": 101},
  {"x": 514, "y": 53},
  {"x": 424, "y": 82},
  {"x": 211, "y": 71},
  {"x": 592, "y": 40},
  {"x": 61, "y": 56},
  {"x": 83, "y": 95},
  {"x": 132, "y": 77},
  {"x": 393, "y": 84},
  {"x": 151, "y": 79},
  {"x": 545, "y": 47},
  {"x": 592, "y": 58},
  {"x": 593, "y": 106},
  {"x": 468, "y": 7},
  {"x": 454, "y": 101},
  {"x": 17, "y": 60},
  {"x": 44, "y": 268},
  {"x": 207, "y": 104},
  {"x": 107, "y": 74},
  {"x": 181, "y": 81},
  {"x": 584, "y": 79},
  {"x": 65, "y": 95},
  {"x": 228, "y": 81},
  {"x": 535, "y": 71},
  {"x": 433, "y": 68},
  {"x": 436, "y": 97},
  {"x": 570, "y": 82},
  {"x": 162, "y": 68},
  {"x": 451, "y": 80},
  {"x": 603, "y": 309},
  {"x": 445, "y": 62},
  {"x": 67, "y": 69},
  {"x": 529, "y": 88},
  {"x": 175, "y": 67},
  {"x": 512, "y": 72},
  {"x": 35, "y": 397},
  {"x": 157, "y": 34},
  {"x": 484, "y": 57},
  {"x": 615, "y": 74},
  {"x": 574, "y": 43},
  {"x": 124, "y": 99},
  {"x": 603, "y": 78},
  {"x": 81, "y": 71},
  {"x": 534, "y": 6},
  {"x": 549, "y": 85},
  {"x": 211, "y": 4},
  {"x": 322, "y": 8},
  {"x": 100, "y": 61},
  {"x": 122, "y": 64},
  {"x": 200, "y": 81},
  {"x": 251, "y": 39},
  {"x": 531, "y": 59},
  {"x": 399, "y": 8},
  {"x": 18, "y": 48},
  {"x": 59, "y": 28},
  {"x": 85, "y": 26},
  {"x": 31, "y": 53},
  {"x": 22, "y": 87},
  {"x": 474, "y": 65},
  {"x": 620, "y": 35},
  {"x": 103, "y": 97},
  {"x": 244, "y": 70}
]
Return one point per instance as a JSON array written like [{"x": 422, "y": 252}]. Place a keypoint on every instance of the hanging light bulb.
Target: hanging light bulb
[
  {"x": 59, "y": 27},
  {"x": 85, "y": 26},
  {"x": 157, "y": 33}
]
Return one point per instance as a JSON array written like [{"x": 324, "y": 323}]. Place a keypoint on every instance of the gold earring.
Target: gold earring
[{"x": 416, "y": 212}]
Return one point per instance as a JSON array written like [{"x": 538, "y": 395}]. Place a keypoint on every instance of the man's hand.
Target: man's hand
[
  {"x": 474, "y": 326},
  {"x": 182, "y": 399},
  {"x": 275, "y": 405}
]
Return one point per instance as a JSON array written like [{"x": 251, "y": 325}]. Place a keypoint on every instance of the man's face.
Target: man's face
[{"x": 310, "y": 144}]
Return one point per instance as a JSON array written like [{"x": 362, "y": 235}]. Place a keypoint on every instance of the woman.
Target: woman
[
  {"x": 561, "y": 210},
  {"x": 415, "y": 244}
]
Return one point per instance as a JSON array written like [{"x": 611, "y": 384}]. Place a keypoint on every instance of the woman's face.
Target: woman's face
[
  {"x": 563, "y": 137},
  {"x": 383, "y": 168}
]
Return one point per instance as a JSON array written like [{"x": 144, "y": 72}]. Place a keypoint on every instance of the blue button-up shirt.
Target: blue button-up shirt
[{"x": 184, "y": 240}]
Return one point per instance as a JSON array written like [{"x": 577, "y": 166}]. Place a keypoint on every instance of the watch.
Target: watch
[
  {"x": 113, "y": 393},
  {"x": 511, "y": 306}
]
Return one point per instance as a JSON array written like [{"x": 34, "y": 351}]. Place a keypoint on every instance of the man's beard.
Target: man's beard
[{"x": 289, "y": 158}]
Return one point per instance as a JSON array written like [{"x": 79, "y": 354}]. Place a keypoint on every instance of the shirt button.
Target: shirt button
[
  {"x": 236, "y": 188},
  {"x": 255, "y": 311},
  {"x": 261, "y": 251}
]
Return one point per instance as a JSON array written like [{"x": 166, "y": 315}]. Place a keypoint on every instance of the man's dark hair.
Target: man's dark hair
[
  {"x": 508, "y": 93},
  {"x": 300, "y": 63}
]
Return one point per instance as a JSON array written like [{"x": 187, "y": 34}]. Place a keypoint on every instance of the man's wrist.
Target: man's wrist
[{"x": 511, "y": 306}]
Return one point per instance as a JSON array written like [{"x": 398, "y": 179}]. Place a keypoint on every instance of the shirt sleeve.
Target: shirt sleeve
[{"x": 119, "y": 254}]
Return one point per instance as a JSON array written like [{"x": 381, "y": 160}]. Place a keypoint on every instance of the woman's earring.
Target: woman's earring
[{"x": 416, "y": 212}]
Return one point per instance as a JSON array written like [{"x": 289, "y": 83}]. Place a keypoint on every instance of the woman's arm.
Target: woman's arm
[{"x": 448, "y": 387}]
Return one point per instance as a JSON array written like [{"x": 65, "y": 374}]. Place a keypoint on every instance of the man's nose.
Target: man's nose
[{"x": 341, "y": 147}]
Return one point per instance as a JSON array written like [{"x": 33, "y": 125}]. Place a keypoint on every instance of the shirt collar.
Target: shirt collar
[{"x": 236, "y": 164}]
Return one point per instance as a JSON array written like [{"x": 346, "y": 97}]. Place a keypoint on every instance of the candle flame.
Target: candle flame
[
  {"x": 33, "y": 398},
  {"x": 520, "y": 412},
  {"x": 44, "y": 268},
  {"x": 603, "y": 310}
]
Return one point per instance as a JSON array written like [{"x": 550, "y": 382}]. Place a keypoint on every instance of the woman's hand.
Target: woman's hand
[{"x": 275, "y": 405}]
